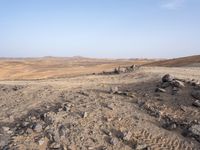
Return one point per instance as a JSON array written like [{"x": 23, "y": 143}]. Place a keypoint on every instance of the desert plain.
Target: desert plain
[{"x": 99, "y": 104}]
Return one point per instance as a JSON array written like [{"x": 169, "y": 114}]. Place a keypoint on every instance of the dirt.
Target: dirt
[
  {"x": 55, "y": 67},
  {"x": 134, "y": 110}
]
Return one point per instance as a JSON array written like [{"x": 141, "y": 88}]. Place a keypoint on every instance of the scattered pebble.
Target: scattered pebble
[
  {"x": 85, "y": 114},
  {"x": 55, "y": 145},
  {"x": 127, "y": 136},
  {"x": 41, "y": 141},
  {"x": 38, "y": 127}
]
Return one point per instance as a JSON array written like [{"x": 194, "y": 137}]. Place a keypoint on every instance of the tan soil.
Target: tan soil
[{"x": 112, "y": 121}]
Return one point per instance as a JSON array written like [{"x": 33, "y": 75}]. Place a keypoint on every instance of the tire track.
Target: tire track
[{"x": 159, "y": 142}]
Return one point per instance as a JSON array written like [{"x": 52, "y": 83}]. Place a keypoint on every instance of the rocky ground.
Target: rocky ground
[{"x": 151, "y": 108}]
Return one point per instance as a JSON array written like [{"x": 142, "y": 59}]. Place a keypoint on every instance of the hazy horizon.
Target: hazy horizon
[
  {"x": 38, "y": 57},
  {"x": 100, "y": 28}
]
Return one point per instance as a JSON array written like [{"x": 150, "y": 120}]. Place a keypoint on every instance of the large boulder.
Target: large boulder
[{"x": 167, "y": 78}]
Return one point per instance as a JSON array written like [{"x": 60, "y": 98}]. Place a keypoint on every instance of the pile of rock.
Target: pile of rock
[
  {"x": 196, "y": 92},
  {"x": 125, "y": 69},
  {"x": 178, "y": 84},
  {"x": 120, "y": 70},
  {"x": 169, "y": 123},
  {"x": 170, "y": 81},
  {"x": 191, "y": 129}
]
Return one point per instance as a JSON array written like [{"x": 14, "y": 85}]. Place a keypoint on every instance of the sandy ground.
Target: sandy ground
[
  {"x": 55, "y": 67},
  {"x": 112, "y": 112}
]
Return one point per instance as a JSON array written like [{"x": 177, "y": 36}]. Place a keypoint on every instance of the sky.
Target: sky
[{"x": 100, "y": 28}]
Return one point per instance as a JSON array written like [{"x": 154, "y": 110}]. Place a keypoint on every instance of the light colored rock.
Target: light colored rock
[
  {"x": 196, "y": 103},
  {"x": 195, "y": 130},
  {"x": 127, "y": 136},
  {"x": 114, "y": 90},
  {"x": 114, "y": 141},
  {"x": 25, "y": 124},
  {"x": 41, "y": 141},
  {"x": 6, "y": 129},
  {"x": 85, "y": 114},
  {"x": 38, "y": 127},
  {"x": 141, "y": 147},
  {"x": 56, "y": 136},
  {"x": 178, "y": 84},
  {"x": 55, "y": 145},
  {"x": 29, "y": 131},
  {"x": 160, "y": 90},
  {"x": 2, "y": 143}
]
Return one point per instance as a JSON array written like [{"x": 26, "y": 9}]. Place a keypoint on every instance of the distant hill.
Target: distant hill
[
  {"x": 56, "y": 67},
  {"x": 190, "y": 61}
]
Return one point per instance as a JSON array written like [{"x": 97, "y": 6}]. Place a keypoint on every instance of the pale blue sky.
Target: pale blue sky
[{"x": 99, "y": 28}]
